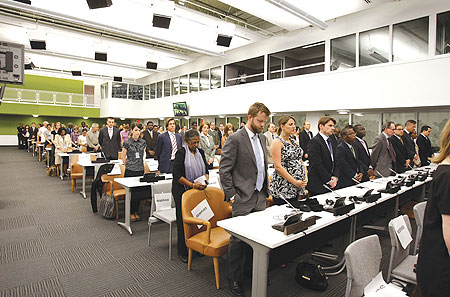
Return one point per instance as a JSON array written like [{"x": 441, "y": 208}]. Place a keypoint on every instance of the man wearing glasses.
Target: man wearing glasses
[
  {"x": 401, "y": 153},
  {"x": 383, "y": 154}
]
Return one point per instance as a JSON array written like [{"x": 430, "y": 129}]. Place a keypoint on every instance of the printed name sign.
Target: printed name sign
[
  {"x": 402, "y": 231},
  {"x": 202, "y": 211},
  {"x": 163, "y": 201}
]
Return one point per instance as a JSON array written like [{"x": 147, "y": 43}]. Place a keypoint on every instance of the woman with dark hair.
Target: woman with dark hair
[
  {"x": 207, "y": 144},
  {"x": 290, "y": 177},
  {"x": 190, "y": 164},
  {"x": 227, "y": 131},
  {"x": 63, "y": 144},
  {"x": 133, "y": 156},
  {"x": 433, "y": 264}
]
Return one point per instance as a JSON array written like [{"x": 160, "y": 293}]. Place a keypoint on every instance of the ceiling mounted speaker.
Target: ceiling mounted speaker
[
  {"x": 38, "y": 44},
  {"x": 100, "y": 56},
  {"x": 118, "y": 78},
  {"x": 223, "y": 40},
  {"x": 93, "y": 4},
  {"x": 161, "y": 21},
  {"x": 24, "y": 1},
  {"x": 152, "y": 65},
  {"x": 29, "y": 66},
  {"x": 76, "y": 73}
]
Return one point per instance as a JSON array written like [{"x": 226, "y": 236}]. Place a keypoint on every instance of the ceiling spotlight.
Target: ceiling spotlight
[
  {"x": 122, "y": 119},
  {"x": 358, "y": 114},
  {"x": 85, "y": 118},
  {"x": 35, "y": 116},
  {"x": 343, "y": 111}
]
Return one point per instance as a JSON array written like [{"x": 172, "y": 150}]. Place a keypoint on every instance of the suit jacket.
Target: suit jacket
[
  {"x": 163, "y": 151},
  {"x": 363, "y": 156},
  {"x": 381, "y": 159},
  {"x": 208, "y": 148},
  {"x": 269, "y": 140},
  {"x": 348, "y": 165},
  {"x": 215, "y": 135},
  {"x": 304, "y": 140},
  {"x": 33, "y": 133},
  {"x": 321, "y": 167},
  {"x": 409, "y": 144},
  {"x": 425, "y": 150},
  {"x": 238, "y": 170},
  {"x": 110, "y": 147},
  {"x": 401, "y": 154},
  {"x": 151, "y": 141}
]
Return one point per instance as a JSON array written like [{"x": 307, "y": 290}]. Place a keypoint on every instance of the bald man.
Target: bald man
[{"x": 305, "y": 135}]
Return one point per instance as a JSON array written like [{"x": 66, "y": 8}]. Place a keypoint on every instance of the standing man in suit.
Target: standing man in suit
[
  {"x": 401, "y": 154},
  {"x": 410, "y": 127},
  {"x": 221, "y": 131},
  {"x": 322, "y": 158},
  {"x": 347, "y": 159},
  {"x": 150, "y": 136},
  {"x": 243, "y": 175},
  {"x": 20, "y": 138},
  {"x": 362, "y": 150},
  {"x": 33, "y": 131},
  {"x": 109, "y": 140},
  {"x": 215, "y": 134},
  {"x": 424, "y": 144},
  {"x": 305, "y": 137},
  {"x": 167, "y": 146},
  {"x": 383, "y": 154},
  {"x": 270, "y": 136}
]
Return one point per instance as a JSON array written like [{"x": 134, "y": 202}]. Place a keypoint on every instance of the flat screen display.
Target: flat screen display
[{"x": 180, "y": 109}]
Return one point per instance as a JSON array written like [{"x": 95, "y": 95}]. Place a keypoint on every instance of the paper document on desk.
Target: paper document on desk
[
  {"x": 214, "y": 182},
  {"x": 84, "y": 159},
  {"x": 378, "y": 288},
  {"x": 163, "y": 201},
  {"x": 115, "y": 170},
  {"x": 202, "y": 211},
  {"x": 201, "y": 180},
  {"x": 152, "y": 165},
  {"x": 402, "y": 231}
]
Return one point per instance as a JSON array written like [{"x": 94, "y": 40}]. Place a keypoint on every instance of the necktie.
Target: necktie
[
  {"x": 364, "y": 146},
  {"x": 259, "y": 163},
  {"x": 330, "y": 148},
  {"x": 174, "y": 145},
  {"x": 273, "y": 136},
  {"x": 310, "y": 134},
  {"x": 391, "y": 150},
  {"x": 353, "y": 151},
  {"x": 401, "y": 140}
]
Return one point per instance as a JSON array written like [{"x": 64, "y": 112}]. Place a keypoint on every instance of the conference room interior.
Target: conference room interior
[{"x": 195, "y": 61}]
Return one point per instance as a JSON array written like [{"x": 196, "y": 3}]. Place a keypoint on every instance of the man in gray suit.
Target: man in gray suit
[
  {"x": 383, "y": 154},
  {"x": 270, "y": 136},
  {"x": 243, "y": 175},
  {"x": 215, "y": 134}
]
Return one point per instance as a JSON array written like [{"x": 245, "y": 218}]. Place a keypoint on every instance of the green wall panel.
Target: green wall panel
[
  {"x": 47, "y": 83},
  {"x": 48, "y": 110}
]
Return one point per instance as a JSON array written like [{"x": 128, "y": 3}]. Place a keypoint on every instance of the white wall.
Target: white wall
[
  {"x": 394, "y": 85},
  {"x": 8, "y": 140}
]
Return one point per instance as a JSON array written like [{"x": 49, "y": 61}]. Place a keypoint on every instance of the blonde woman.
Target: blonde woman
[
  {"x": 433, "y": 265},
  {"x": 290, "y": 177}
]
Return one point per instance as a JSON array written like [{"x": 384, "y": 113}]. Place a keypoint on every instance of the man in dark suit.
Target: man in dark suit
[
  {"x": 20, "y": 138},
  {"x": 167, "y": 145},
  {"x": 401, "y": 154},
  {"x": 109, "y": 140},
  {"x": 213, "y": 131},
  {"x": 362, "y": 150},
  {"x": 424, "y": 144},
  {"x": 347, "y": 159},
  {"x": 321, "y": 151},
  {"x": 305, "y": 135},
  {"x": 150, "y": 136},
  {"x": 410, "y": 126},
  {"x": 33, "y": 131},
  {"x": 383, "y": 154},
  {"x": 243, "y": 175}
]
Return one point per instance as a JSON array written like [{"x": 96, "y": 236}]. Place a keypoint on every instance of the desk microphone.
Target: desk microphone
[
  {"x": 292, "y": 206},
  {"x": 360, "y": 184},
  {"x": 380, "y": 174},
  {"x": 393, "y": 171},
  {"x": 331, "y": 190},
  {"x": 355, "y": 180},
  {"x": 410, "y": 167}
]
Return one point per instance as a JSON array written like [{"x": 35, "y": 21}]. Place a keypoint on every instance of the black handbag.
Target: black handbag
[{"x": 311, "y": 276}]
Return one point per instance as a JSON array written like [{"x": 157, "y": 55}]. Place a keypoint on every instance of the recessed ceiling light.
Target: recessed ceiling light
[
  {"x": 343, "y": 111},
  {"x": 122, "y": 119},
  {"x": 35, "y": 116},
  {"x": 85, "y": 118}
]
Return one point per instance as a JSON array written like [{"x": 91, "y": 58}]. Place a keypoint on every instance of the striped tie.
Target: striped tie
[{"x": 174, "y": 145}]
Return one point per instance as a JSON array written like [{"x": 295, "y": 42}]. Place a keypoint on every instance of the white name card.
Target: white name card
[
  {"x": 152, "y": 165},
  {"x": 402, "y": 231},
  {"x": 202, "y": 211},
  {"x": 84, "y": 158},
  {"x": 163, "y": 201},
  {"x": 378, "y": 288},
  {"x": 115, "y": 170},
  {"x": 214, "y": 182},
  {"x": 201, "y": 180}
]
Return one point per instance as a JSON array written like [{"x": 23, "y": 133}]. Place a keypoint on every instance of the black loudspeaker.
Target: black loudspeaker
[
  {"x": 29, "y": 66},
  {"x": 38, "y": 44},
  {"x": 223, "y": 40},
  {"x": 152, "y": 65},
  {"x": 76, "y": 73},
  {"x": 24, "y": 1},
  {"x": 100, "y": 56},
  {"x": 118, "y": 78},
  {"x": 93, "y": 4},
  {"x": 161, "y": 21}
]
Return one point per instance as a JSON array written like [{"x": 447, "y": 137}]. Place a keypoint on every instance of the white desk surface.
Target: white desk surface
[
  {"x": 133, "y": 182},
  {"x": 257, "y": 226}
]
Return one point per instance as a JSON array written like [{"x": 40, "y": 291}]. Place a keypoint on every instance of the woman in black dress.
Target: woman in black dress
[
  {"x": 433, "y": 265},
  {"x": 189, "y": 164}
]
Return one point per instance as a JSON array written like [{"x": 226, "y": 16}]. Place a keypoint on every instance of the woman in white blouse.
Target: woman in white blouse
[
  {"x": 207, "y": 144},
  {"x": 63, "y": 144}
]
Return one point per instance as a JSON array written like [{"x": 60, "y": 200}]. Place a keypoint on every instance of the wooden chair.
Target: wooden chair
[
  {"x": 210, "y": 240},
  {"x": 116, "y": 191},
  {"x": 76, "y": 171}
]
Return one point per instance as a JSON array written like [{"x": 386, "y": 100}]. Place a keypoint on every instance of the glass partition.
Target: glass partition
[
  {"x": 436, "y": 120},
  {"x": 443, "y": 33},
  {"x": 374, "y": 46},
  {"x": 372, "y": 123},
  {"x": 193, "y": 82},
  {"x": 175, "y": 84},
  {"x": 135, "y": 92},
  {"x": 216, "y": 77},
  {"x": 204, "y": 80},
  {"x": 242, "y": 72},
  {"x": 159, "y": 90},
  {"x": 167, "y": 88},
  {"x": 410, "y": 40},
  {"x": 343, "y": 52},
  {"x": 399, "y": 118},
  {"x": 104, "y": 91},
  {"x": 119, "y": 90},
  {"x": 183, "y": 84},
  {"x": 146, "y": 92},
  {"x": 153, "y": 91}
]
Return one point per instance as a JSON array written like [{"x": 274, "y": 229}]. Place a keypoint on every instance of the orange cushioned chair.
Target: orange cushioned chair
[
  {"x": 76, "y": 171},
  {"x": 116, "y": 191},
  {"x": 210, "y": 240}
]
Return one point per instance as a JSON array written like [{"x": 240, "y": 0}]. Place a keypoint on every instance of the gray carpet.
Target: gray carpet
[{"x": 51, "y": 244}]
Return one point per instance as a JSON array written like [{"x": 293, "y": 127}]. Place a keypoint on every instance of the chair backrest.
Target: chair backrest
[
  {"x": 419, "y": 213},
  {"x": 83, "y": 149},
  {"x": 398, "y": 253},
  {"x": 74, "y": 167},
  {"x": 215, "y": 198},
  {"x": 159, "y": 188},
  {"x": 362, "y": 259}
]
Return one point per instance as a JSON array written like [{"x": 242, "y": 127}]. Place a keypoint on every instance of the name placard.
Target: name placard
[
  {"x": 202, "y": 211},
  {"x": 163, "y": 201}
]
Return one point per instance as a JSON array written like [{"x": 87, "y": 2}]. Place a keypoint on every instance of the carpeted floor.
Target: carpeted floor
[{"x": 51, "y": 244}]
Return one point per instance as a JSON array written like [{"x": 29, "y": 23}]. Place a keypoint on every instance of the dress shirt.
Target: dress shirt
[
  {"x": 110, "y": 132},
  {"x": 173, "y": 140},
  {"x": 250, "y": 135}
]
